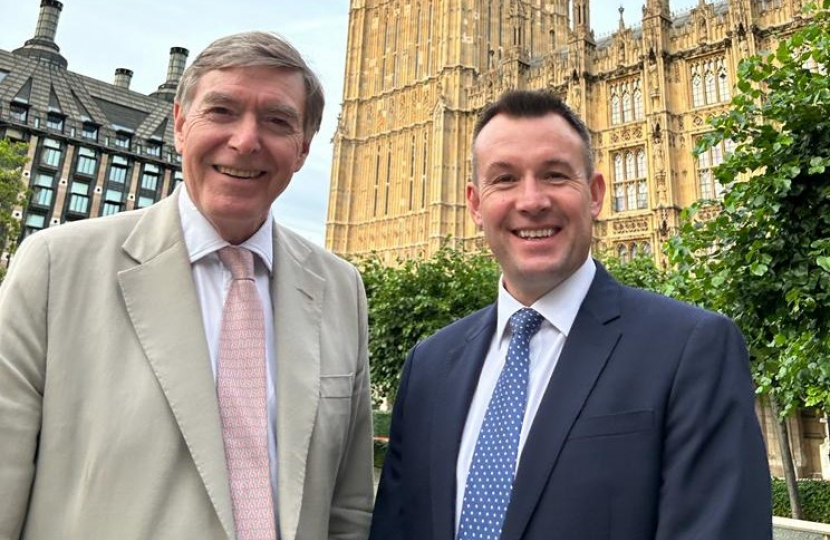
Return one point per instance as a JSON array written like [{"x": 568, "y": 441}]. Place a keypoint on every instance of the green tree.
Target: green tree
[
  {"x": 641, "y": 272},
  {"x": 764, "y": 257},
  {"x": 12, "y": 194},
  {"x": 411, "y": 300}
]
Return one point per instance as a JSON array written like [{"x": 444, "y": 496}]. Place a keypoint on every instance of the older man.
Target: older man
[
  {"x": 192, "y": 370},
  {"x": 574, "y": 408}
]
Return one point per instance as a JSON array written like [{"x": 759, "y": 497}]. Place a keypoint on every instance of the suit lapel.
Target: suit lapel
[
  {"x": 297, "y": 296},
  {"x": 452, "y": 402},
  {"x": 162, "y": 304},
  {"x": 583, "y": 358}
]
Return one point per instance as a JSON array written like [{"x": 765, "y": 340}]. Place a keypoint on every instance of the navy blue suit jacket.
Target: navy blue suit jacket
[{"x": 647, "y": 430}]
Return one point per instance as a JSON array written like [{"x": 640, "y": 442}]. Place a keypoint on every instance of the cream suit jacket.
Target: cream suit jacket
[{"x": 109, "y": 424}]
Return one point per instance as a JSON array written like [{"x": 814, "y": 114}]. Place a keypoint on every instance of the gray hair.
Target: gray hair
[
  {"x": 534, "y": 104},
  {"x": 249, "y": 49}
]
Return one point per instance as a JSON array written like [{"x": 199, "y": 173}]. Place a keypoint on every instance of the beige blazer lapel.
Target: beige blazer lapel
[
  {"x": 161, "y": 301},
  {"x": 297, "y": 295}
]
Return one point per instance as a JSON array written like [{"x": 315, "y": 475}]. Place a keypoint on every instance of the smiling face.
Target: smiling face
[
  {"x": 241, "y": 140},
  {"x": 533, "y": 200}
]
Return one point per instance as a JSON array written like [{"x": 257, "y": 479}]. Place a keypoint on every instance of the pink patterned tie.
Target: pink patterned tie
[{"x": 242, "y": 400}]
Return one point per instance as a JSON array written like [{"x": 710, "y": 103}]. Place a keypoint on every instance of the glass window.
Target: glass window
[
  {"x": 153, "y": 149},
  {"x": 697, "y": 90},
  {"x": 19, "y": 112},
  {"x": 79, "y": 197},
  {"x": 43, "y": 191},
  {"x": 34, "y": 222},
  {"x": 616, "y": 116},
  {"x": 51, "y": 153},
  {"x": 630, "y": 187},
  {"x": 55, "y": 121},
  {"x": 118, "y": 170},
  {"x": 87, "y": 161},
  {"x": 113, "y": 202},
  {"x": 90, "y": 131},
  {"x": 710, "y": 83},
  {"x": 144, "y": 201},
  {"x": 627, "y": 109},
  {"x": 123, "y": 140},
  {"x": 709, "y": 186},
  {"x": 150, "y": 178}
]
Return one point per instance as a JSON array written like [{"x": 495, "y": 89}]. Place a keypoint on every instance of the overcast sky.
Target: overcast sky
[{"x": 99, "y": 36}]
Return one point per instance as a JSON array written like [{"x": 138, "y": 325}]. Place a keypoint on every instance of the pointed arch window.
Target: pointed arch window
[
  {"x": 630, "y": 185},
  {"x": 710, "y": 82},
  {"x": 626, "y": 102}
]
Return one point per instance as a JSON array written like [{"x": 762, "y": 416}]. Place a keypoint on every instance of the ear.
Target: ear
[
  {"x": 303, "y": 155},
  {"x": 597, "y": 189},
  {"x": 474, "y": 202},
  {"x": 178, "y": 126}
]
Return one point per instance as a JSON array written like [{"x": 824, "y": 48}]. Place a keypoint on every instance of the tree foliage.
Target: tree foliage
[
  {"x": 12, "y": 194},
  {"x": 413, "y": 299},
  {"x": 764, "y": 258},
  {"x": 641, "y": 272}
]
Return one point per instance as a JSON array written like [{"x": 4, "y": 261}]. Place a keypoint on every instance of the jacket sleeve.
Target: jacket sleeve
[
  {"x": 351, "y": 508},
  {"x": 23, "y": 350},
  {"x": 715, "y": 475}
]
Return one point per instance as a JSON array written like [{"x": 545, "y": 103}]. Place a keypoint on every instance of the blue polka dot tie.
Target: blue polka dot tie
[{"x": 490, "y": 480}]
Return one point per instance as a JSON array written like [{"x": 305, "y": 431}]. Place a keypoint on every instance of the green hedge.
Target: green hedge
[
  {"x": 381, "y": 429},
  {"x": 815, "y": 499}
]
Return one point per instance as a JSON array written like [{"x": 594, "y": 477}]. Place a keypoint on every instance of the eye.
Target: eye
[
  {"x": 503, "y": 179},
  {"x": 554, "y": 175},
  {"x": 219, "y": 111},
  {"x": 281, "y": 124}
]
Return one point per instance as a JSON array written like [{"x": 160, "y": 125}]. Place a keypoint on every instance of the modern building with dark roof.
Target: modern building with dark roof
[{"x": 95, "y": 148}]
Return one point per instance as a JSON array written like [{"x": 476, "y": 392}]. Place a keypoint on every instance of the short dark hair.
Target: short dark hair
[
  {"x": 534, "y": 104},
  {"x": 249, "y": 49}
]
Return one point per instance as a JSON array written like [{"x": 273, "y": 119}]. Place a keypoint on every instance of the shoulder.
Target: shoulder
[
  {"x": 82, "y": 238},
  {"x": 310, "y": 256},
  {"x": 478, "y": 324}
]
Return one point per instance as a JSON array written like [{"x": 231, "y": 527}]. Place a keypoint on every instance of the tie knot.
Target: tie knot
[
  {"x": 239, "y": 261},
  {"x": 525, "y": 322}
]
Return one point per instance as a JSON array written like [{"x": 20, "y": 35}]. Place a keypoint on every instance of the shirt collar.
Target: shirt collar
[
  {"x": 202, "y": 239},
  {"x": 558, "y": 306}
]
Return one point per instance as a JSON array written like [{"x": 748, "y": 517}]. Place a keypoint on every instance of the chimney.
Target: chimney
[
  {"x": 43, "y": 46},
  {"x": 47, "y": 21},
  {"x": 123, "y": 77},
  {"x": 175, "y": 69}
]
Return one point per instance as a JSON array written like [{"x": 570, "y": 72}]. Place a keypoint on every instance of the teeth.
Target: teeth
[
  {"x": 535, "y": 233},
  {"x": 241, "y": 173}
]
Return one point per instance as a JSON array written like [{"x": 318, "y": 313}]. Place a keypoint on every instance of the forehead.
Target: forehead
[
  {"x": 260, "y": 82},
  {"x": 529, "y": 138}
]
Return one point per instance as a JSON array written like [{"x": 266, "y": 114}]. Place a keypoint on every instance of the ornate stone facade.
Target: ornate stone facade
[{"x": 418, "y": 72}]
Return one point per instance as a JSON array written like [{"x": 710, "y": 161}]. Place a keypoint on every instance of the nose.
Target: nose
[
  {"x": 532, "y": 197},
  {"x": 245, "y": 137}
]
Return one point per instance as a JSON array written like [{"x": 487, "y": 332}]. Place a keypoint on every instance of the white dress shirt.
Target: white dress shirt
[
  {"x": 559, "y": 308},
  {"x": 212, "y": 282}
]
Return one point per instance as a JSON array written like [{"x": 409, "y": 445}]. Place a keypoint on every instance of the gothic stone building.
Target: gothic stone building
[
  {"x": 95, "y": 148},
  {"x": 418, "y": 72}
]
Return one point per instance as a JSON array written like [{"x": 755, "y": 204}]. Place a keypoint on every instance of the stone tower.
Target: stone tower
[{"x": 418, "y": 72}]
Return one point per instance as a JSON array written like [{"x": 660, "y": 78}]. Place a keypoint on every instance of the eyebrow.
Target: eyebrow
[{"x": 220, "y": 98}]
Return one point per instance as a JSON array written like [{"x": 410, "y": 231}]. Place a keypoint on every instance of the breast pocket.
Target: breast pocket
[
  {"x": 337, "y": 386},
  {"x": 613, "y": 425}
]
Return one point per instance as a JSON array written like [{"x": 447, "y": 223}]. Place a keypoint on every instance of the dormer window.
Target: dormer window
[
  {"x": 90, "y": 131},
  {"x": 19, "y": 112},
  {"x": 55, "y": 121}
]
